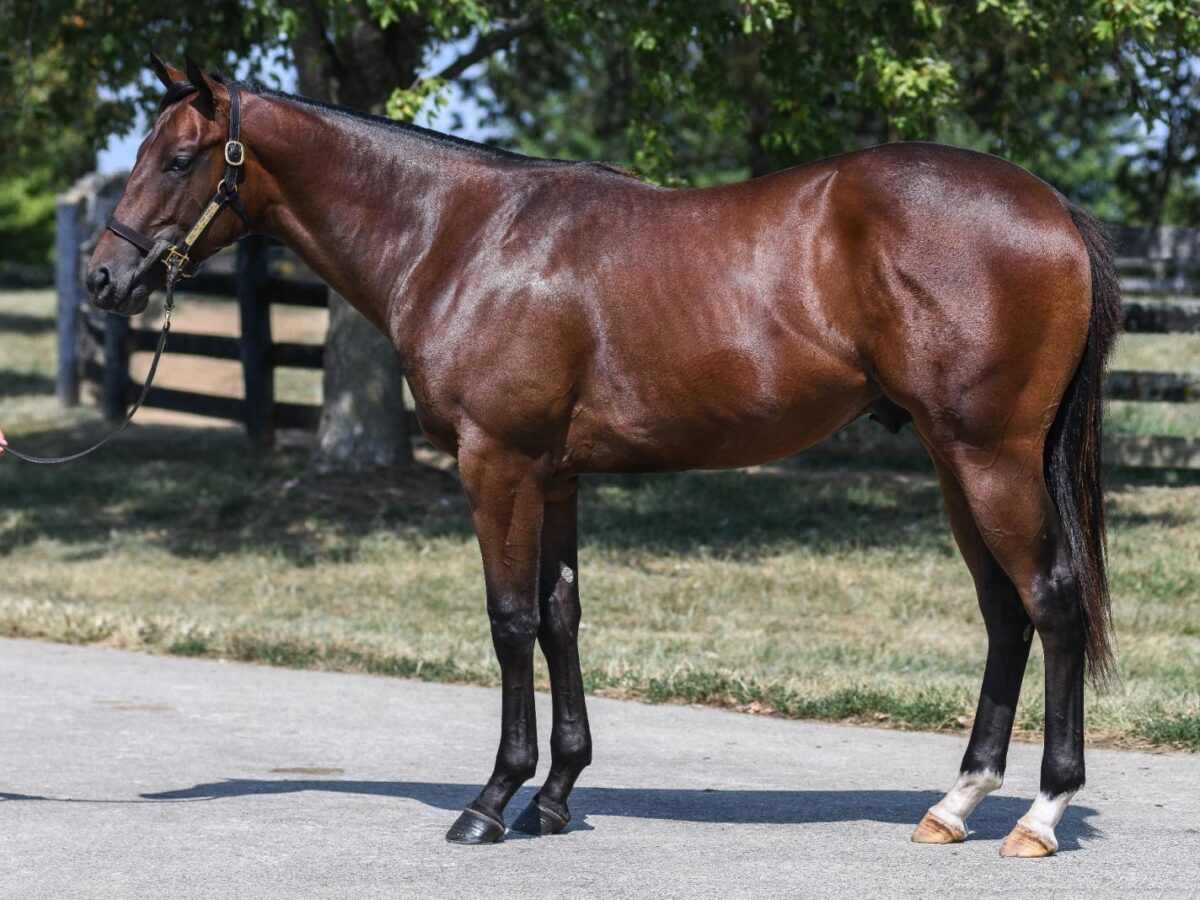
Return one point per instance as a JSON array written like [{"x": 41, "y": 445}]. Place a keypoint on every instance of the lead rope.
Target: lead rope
[{"x": 168, "y": 308}]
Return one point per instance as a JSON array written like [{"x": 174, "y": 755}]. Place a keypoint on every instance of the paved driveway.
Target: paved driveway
[{"x": 127, "y": 775}]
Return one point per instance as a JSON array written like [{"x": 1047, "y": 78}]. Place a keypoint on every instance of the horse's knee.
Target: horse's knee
[{"x": 515, "y": 622}]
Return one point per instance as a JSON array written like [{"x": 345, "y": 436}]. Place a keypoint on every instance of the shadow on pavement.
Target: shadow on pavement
[{"x": 993, "y": 820}]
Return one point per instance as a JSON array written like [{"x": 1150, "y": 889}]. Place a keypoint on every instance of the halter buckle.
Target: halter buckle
[
  {"x": 235, "y": 153},
  {"x": 175, "y": 261}
]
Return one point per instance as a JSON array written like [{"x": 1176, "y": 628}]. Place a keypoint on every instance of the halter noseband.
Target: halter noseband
[{"x": 176, "y": 257}]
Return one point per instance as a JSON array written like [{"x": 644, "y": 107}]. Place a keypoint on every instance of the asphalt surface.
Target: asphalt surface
[{"x": 128, "y": 775}]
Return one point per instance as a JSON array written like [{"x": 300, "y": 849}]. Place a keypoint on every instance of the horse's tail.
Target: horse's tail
[{"x": 1072, "y": 455}]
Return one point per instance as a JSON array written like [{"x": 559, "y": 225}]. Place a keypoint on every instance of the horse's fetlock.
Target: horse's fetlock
[
  {"x": 1062, "y": 774},
  {"x": 520, "y": 765},
  {"x": 573, "y": 750}
]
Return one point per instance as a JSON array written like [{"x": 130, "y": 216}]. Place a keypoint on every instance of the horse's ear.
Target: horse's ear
[
  {"x": 205, "y": 103},
  {"x": 168, "y": 75}
]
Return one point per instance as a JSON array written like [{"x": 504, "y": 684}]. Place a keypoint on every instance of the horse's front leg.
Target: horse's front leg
[
  {"x": 570, "y": 738},
  {"x": 506, "y": 491}
]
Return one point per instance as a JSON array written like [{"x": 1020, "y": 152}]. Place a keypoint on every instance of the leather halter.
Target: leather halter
[{"x": 176, "y": 257}]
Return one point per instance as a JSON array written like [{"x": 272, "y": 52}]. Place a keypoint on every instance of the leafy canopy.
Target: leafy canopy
[{"x": 684, "y": 90}]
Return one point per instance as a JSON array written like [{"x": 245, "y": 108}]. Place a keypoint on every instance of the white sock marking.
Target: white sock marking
[
  {"x": 969, "y": 788},
  {"x": 1045, "y": 814}
]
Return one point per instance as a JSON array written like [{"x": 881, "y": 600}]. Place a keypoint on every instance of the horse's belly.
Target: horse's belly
[{"x": 718, "y": 430}]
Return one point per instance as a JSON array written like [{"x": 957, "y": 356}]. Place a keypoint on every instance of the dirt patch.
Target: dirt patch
[{"x": 223, "y": 378}]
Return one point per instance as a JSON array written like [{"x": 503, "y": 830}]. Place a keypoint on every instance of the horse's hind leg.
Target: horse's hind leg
[
  {"x": 1009, "y": 634},
  {"x": 1012, "y": 508},
  {"x": 570, "y": 738}
]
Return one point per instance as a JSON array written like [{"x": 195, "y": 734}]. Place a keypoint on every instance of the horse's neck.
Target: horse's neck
[{"x": 359, "y": 205}]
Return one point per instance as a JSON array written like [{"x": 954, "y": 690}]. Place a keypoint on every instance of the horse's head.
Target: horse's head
[{"x": 178, "y": 168}]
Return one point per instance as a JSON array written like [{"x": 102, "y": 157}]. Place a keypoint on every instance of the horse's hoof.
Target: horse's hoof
[
  {"x": 473, "y": 827},
  {"x": 539, "y": 820},
  {"x": 932, "y": 830},
  {"x": 1022, "y": 842}
]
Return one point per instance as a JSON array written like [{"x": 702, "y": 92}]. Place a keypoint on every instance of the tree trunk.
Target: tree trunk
[
  {"x": 363, "y": 422},
  {"x": 362, "y": 419}
]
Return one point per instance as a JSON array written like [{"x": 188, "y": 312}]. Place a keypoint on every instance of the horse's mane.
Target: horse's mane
[{"x": 181, "y": 89}]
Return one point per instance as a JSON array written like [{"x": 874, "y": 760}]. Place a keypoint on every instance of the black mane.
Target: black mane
[
  {"x": 181, "y": 89},
  {"x": 357, "y": 116}
]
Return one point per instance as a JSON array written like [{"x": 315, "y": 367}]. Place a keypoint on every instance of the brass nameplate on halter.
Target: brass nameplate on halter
[{"x": 205, "y": 217}]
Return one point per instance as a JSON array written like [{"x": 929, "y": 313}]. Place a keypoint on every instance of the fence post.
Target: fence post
[
  {"x": 66, "y": 285},
  {"x": 114, "y": 388},
  {"x": 258, "y": 368}
]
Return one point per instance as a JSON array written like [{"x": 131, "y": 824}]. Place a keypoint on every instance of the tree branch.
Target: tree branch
[
  {"x": 487, "y": 44},
  {"x": 337, "y": 68}
]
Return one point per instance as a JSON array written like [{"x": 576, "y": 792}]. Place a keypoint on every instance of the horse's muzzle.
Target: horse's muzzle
[{"x": 125, "y": 295}]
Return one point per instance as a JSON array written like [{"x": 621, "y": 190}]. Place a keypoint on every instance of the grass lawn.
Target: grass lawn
[{"x": 799, "y": 589}]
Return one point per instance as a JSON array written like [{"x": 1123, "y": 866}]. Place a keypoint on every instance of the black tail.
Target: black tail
[{"x": 1072, "y": 456}]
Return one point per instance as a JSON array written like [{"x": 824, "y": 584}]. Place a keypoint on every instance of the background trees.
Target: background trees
[{"x": 1100, "y": 97}]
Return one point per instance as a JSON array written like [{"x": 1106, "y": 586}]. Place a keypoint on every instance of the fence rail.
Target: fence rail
[
  {"x": 1174, "y": 316},
  {"x": 1160, "y": 277},
  {"x": 103, "y": 344}
]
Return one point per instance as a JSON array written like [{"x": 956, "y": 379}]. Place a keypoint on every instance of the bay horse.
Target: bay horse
[{"x": 557, "y": 319}]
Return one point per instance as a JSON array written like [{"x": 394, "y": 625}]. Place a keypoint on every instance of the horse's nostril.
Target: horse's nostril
[{"x": 98, "y": 281}]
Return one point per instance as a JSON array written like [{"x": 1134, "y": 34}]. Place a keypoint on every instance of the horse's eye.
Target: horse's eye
[{"x": 179, "y": 164}]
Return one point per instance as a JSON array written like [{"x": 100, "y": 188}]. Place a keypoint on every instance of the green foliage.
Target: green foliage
[
  {"x": 406, "y": 103},
  {"x": 686, "y": 92},
  {"x": 1175, "y": 730},
  {"x": 26, "y": 223},
  {"x": 77, "y": 67},
  {"x": 27, "y": 198},
  {"x": 750, "y": 87},
  {"x": 73, "y": 73}
]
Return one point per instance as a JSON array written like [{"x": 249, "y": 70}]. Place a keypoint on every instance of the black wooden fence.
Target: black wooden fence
[
  {"x": 102, "y": 345},
  {"x": 1160, "y": 277}
]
